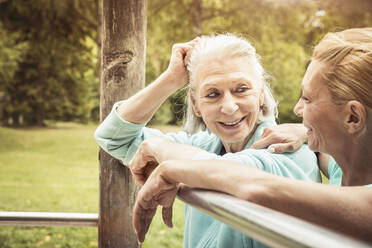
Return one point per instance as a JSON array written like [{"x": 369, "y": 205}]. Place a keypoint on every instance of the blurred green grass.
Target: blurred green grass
[{"x": 55, "y": 169}]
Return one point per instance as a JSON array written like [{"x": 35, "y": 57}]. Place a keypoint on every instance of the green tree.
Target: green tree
[
  {"x": 283, "y": 32},
  {"x": 57, "y": 72}
]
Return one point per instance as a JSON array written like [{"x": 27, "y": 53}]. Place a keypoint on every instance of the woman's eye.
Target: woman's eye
[
  {"x": 213, "y": 95},
  {"x": 304, "y": 98},
  {"x": 242, "y": 89}
]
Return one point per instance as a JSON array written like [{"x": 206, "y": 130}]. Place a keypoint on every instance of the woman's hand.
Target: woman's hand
[
  {"x": 282, "y": 138},
  {"x": 156, "y": 191},
  {"x": 146, "y": 159},
  {"x": 154, "y": 151},
  {"x": 177, "y": 70}
]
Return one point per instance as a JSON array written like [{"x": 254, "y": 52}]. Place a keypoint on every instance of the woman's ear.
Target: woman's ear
[
  {"x": 356, "y": 115},
  {"x": 262, "y": 97},
  {"x": 194, "y": 105}
]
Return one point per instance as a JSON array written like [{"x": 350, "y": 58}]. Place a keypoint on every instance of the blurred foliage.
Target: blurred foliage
[
  {"x": 54, "y": 72},
  {"x": 49, "y": 49},
  {"x": 283, "y": 32}
]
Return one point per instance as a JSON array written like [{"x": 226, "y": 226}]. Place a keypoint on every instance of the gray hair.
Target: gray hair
[{"x": 222, "y": 47}]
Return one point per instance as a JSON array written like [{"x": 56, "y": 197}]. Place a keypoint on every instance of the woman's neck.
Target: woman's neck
[
  {"x": 238, "y": 146},
  {"x": 355, "y": 161}
]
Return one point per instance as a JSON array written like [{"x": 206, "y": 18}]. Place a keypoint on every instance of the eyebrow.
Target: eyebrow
[{"x": 233, "y": 81}]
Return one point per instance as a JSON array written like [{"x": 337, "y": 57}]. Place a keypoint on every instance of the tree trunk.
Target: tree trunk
[
  {"x": 198, "y": 17},
  {"x": 122, "y": 74}
]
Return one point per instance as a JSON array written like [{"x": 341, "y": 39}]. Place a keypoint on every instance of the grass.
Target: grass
[{"x": 56, "y": 169}]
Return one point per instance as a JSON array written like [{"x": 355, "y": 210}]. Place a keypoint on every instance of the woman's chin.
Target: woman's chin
[{"x": 313, "y": 145}]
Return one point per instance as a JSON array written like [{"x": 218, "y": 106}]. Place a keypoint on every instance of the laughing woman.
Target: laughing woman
[{"x": 229, "y": 100}]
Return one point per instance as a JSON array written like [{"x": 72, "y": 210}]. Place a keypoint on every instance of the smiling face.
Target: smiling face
[
  {"x": 322, "y": 117},
  {"x": 228, "y": 95}
]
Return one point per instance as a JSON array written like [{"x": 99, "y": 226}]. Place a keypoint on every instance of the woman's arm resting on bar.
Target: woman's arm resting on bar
[
  {"x": 344, "y": 209},
  {"x": 154, "y": 151}
]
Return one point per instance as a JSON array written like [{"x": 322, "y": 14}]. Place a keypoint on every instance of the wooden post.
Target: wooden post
[
  {"x": 122, "y": 74},
  {"x": 198, "y": 17}
]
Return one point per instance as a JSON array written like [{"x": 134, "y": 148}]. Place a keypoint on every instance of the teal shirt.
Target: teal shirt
[
  {"x": 334, "y": 172},
  {"x": 121, "y": 139}
]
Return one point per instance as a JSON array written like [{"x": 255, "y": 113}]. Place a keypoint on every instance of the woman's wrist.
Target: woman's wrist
[{"x": 173, "y": 81}]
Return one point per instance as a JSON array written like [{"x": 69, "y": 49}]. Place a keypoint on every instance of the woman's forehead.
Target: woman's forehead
[
  {"x": 312, "y": 79},
  {"x": 230, "y": 70}
]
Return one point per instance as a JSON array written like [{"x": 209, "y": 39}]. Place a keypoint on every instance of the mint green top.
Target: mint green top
[
  {"x": 121, "y": 139},
  {"x": 334, "y": 172}
]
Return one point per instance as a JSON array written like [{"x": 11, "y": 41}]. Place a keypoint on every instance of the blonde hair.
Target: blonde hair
[
  {"x": 347, "y": 60},
  {"x": 223, "y": 47}
]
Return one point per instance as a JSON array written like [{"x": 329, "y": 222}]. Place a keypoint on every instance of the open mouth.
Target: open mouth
[{"x": 232, "y": 124}]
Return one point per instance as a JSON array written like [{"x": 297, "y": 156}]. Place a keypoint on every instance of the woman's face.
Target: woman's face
[
  {"x": 321, "y": 116},
  {"x": 228, "y": 96}
]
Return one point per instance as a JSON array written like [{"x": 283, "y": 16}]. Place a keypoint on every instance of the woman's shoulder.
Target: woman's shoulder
[{"x": 205, "y": 140}]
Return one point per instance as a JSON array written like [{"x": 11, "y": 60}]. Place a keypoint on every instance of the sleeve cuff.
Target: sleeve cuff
[{"x": 117, "y": 119}]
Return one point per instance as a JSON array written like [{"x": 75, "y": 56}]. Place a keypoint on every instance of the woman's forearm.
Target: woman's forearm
[
  {"x": 225, "y": 176},
  {"x": 344, "y": 209},
  {"x": 141, "y": 107}
]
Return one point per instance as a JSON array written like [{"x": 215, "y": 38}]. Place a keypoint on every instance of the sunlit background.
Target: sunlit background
[{"x": 49, "y": 92}]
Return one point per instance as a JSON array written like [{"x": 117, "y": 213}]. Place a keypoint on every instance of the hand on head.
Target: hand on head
[
  {"x": 177, "y": 65},
  {"x": 282, "y": 138}
]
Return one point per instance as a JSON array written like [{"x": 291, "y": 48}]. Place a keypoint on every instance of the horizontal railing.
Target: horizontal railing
[
  {"x": 270, "y": 227},
  {"x": 48, "y": 219}
]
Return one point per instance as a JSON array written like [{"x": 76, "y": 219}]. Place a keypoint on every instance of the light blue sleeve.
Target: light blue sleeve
[
  {"x": 300, "y": 165},
  {"x": 121, "y": 138}
]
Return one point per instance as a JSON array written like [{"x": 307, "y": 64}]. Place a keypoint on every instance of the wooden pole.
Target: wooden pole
[
  {"x": 122, "y": 74},
  {"x": 198, "y": 17}
]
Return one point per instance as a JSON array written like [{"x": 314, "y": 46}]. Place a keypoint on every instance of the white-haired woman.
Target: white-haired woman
[
  {"x": 336, "y": 107},
  {"x": 229, "y": 100}
]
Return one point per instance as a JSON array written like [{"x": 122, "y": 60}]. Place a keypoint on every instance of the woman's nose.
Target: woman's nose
[
  {"x": 229, "y": 105},
  {"x": 298, "y": 109}
]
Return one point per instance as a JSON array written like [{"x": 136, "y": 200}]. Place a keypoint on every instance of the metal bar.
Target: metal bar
[
  {"x": 268, "y": 226},
  {"x": 48, "y": 219}
]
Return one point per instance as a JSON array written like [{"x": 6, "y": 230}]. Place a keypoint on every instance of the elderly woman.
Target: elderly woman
[
  {"x": 336, "y": 107},
  {"x": 230, "y": 100}
]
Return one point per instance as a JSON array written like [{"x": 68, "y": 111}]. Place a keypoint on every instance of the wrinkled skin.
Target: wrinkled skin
[
  {"x": 156, "y": 192},
  {"x": 145, "y": 160},
  {"x": 282, "y": 138}
]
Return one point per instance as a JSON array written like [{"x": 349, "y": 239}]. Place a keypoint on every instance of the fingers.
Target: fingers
[
  {"x": 192, "y": 45},
  {"x": 183, "y": 50},
  {"x": 261, "y": 143},
  {"x": 167, "y": 213},
  {"x": 266, "y": 140},
  {"x": 281, "y": 148},
  {"x": 142, "y": 165},
  {"x": 142, "y": 218}
]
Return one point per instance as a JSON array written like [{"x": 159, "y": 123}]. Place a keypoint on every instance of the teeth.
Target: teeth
[{"x": 231, "y": 123}]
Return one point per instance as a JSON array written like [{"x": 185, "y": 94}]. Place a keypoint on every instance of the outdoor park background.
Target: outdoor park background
[{"x": 49, "y": 92}]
